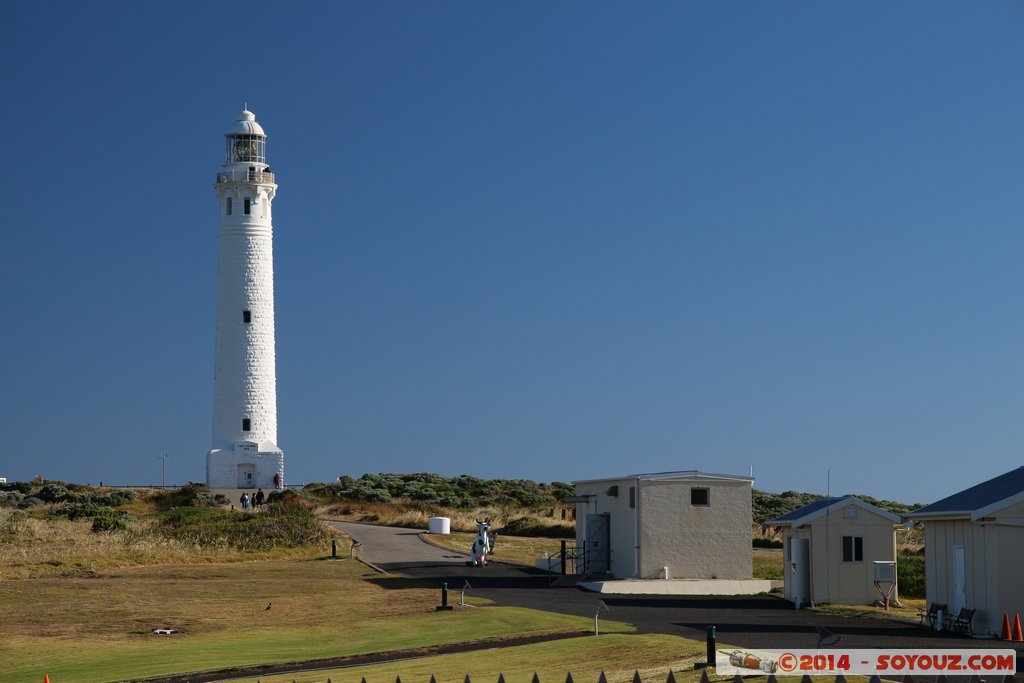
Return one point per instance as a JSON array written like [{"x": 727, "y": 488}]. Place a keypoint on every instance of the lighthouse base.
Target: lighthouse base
[{"x": 247, "y": 465}]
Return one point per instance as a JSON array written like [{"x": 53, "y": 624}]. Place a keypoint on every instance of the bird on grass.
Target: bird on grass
[{"x": 268, "y": 606}]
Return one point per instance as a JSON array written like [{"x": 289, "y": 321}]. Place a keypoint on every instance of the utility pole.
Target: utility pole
[{"x": 163, "y": 469}]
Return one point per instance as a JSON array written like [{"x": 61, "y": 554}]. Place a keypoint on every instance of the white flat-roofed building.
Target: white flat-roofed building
[{"x": 667, "y": 525}]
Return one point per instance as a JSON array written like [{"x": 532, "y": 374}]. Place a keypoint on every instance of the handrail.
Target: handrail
[{"x": 245, "y": 177}]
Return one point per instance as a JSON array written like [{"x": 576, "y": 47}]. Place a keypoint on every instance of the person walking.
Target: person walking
[
  {"x": 244, "y": 500},
  {"x": 259, "y": 498}
]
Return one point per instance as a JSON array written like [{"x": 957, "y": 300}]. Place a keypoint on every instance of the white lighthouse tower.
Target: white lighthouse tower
[{"x": 245, "y": 452}]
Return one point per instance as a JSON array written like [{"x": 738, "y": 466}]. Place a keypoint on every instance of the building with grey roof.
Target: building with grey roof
[
  {"x": 830, "y": 550},
  {"x": 974, "y": 550}
]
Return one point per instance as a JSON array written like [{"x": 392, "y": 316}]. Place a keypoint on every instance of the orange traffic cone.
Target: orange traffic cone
[
  {"x": 46, "y": 678},
  {"x": 1005, "y": 633},
  {"x": 1017, "y": 635}
]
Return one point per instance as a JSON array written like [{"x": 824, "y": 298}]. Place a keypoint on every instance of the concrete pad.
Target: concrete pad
[{"x": 680, "y": 586}]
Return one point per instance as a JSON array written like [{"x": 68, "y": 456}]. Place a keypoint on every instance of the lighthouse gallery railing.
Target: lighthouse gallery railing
[{"x": 251, "y": 176}]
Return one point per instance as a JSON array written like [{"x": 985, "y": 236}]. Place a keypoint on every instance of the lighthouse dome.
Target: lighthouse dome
[{"x": 246, "y": 124}]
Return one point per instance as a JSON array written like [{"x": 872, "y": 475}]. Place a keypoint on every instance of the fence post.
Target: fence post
[
  {"x": 712, "y": 632},
  {"x": 563, "y": 557},
  {"x": 444, "y": 598}
]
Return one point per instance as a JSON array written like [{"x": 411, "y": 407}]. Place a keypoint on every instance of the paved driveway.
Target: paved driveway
[{"x": 746, "y": 621}]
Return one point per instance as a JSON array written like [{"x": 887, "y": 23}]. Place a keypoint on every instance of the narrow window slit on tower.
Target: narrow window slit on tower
[
  {"x": 246, "y": 425},
  {"x": 229, "y": 206},
  {"x": 246, "y": 316},
  {"x": 247, "y": 209}
]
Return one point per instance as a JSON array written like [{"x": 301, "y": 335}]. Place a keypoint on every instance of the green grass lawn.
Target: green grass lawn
[
  {"x": 767, "y": 565},
  {"x": 618, "y": 655},
  {"x": 98, "y": 629},
  {"x": 652, "y": 656}
]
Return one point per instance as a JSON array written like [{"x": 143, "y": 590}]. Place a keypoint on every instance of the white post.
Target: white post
[{"x": 597, "y": 609}]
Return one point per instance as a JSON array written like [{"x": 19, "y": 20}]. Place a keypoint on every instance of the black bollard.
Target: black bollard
[
  {"x": 334, "y": 549},
  {"x": 444, "y": 598},
  {"x": 712, "y": 632}
]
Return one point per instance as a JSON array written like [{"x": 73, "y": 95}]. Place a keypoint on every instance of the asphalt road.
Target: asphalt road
[{"x": 745, "y": 621}]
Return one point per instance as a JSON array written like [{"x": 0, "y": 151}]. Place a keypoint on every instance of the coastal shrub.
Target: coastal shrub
[
  {"x": 190, "y": 495},
  {"x": 107, "y": 519},
  {"x": 285, "y": 523},
  {"x": 53, "y": 493},
  {"x": 910, "y": 574},
  {"x": 10, "y": 498},
  {"x": 463, "y": 491},
  {"x": 527, "y": 526}
]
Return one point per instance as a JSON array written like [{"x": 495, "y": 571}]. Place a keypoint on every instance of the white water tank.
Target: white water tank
[{"x": 440, "y": 525}]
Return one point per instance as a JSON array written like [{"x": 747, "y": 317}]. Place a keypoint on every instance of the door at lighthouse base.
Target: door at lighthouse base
[{"x": 247, "y": 476}]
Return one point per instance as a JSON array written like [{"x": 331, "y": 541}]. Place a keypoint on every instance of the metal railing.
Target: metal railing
[{"x": 245, "y": 177}]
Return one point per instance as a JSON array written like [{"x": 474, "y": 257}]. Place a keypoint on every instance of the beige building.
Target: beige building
[
  {"x": 830, "y": 549},
  {"x": 677, "y": 525},
  {"x": 974, "y": 550}
]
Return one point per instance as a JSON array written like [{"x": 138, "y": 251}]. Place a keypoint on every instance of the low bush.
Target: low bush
[
  {"x": 53, "y": 493},
  {"x": 282, "y": 495},
  {"x": 81, "y": 509},
  {"x": 107, "y": 519},
  {"x": 285, "y": 523},
  {"x": 10, "y": 498},
  {"x": 461, "y": 492},
  {"x": 910, "y": 574},
  {"x": 530, "y": 526},
  {"x": 190, "y": 495}
]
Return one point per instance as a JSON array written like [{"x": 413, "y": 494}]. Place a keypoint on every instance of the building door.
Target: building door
[
  {"x": 959, "y": 580},
  {"x": 247, "y": 476},
  {"x": 800, "y": 571},
  {"x": 598, "y": 554}
]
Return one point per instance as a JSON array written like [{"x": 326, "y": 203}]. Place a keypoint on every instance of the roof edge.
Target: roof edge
[
  {"x": 832, "y": 507},
  {"x": 657, "y": 476},
  {"x": 997, "y": 506}
]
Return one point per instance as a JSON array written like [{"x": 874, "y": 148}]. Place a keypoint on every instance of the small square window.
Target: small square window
[
  {"x": 700, "y": 497},
  {"x": 851, "y": 512},
  {"x": 246, "y": 316},
  {"x": 246, "y": 425}
]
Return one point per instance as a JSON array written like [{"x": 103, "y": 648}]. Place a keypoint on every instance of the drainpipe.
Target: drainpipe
[
  {"x": 810, "y": 562},
  {"x": 636, "y": 528}
]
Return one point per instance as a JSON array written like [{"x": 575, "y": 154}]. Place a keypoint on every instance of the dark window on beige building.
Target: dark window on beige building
[
  {"x": 700, "y": 497},
  {"x": 853, "y": 548}
]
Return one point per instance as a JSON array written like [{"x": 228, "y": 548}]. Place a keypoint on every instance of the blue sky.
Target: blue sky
[{"x": 554, "y": 241}]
